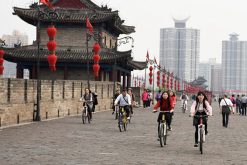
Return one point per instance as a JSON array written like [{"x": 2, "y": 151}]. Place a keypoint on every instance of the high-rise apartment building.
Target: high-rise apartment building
[
  {"x": 216, "y": 79},
  {"x": 234, "y": 62},
  {"x": 179, "y": 50}
]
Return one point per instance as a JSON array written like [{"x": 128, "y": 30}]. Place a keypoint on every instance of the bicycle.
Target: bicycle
[
  {"x": 201, "y": 132},
  {"x": 162, "y": 130},
  {"x": 85, "y": 115},
  {"x": 122, "y": 119},
  {"x": 183, "y": 107}
]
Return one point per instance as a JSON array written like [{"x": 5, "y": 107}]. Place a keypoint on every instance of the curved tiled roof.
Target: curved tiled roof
[
  {"x": 78, "y": 56},
  {"x": 67, "y": 13},
  {"x": 29, "y": 54}
]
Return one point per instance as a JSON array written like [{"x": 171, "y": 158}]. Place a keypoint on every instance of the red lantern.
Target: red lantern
[
  {"x": 51, "y": 31},
  {"x": 151, "y": 68},
  {"x": 1, "y": 53},
  {"x": 96, "y": 48},
  {"x": 51, "y": 45},
  {"x": 150, "y": 80},
  {"x": 150, "y": 74},
  {"x": 96, "y": 68},
  {"x": 52, "y": 59},
  {"x": 1, "y": 70},
  {"x": 96, "y": 58},
  {"x": 1, "y": 61}
]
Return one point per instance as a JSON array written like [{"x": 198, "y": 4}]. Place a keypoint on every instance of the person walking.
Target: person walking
[
  {"x": 225, "y": 106},
  {"x": 145, "y": 98},
  {"x": 233, "y": 100},
  {"x": 243, "y": 105},
  {"x": 238, "y": 105}
]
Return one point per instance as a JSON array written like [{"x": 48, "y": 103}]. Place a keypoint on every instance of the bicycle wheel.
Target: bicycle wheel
[
  {"x": 201, "y": 141},
  {"x": 116, "y": 113},
  {"x": 120, "y": 123},
  {"x": 165, "y": 133},
  {"x": 125, "y": 122},
  {"x": 161, "y": 134},
  {"x": 83, "y": 116}
]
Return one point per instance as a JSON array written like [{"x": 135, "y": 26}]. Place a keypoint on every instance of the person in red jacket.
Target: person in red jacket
[{"x": 166, "y": 106}]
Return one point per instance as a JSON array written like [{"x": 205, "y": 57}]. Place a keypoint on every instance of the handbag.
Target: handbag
[{"x": 226, "y": 108}]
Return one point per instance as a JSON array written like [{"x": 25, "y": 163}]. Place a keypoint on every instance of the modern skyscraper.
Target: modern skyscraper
[
  {"x": 179, "y": 50},
  {"x": 11, "y": 40},
  {"x": 234, "y": 62},
  {"x": 216, "y": 79},
  {"x": 205, "y": 70}
]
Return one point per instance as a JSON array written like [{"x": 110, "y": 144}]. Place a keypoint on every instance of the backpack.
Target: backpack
[{"x": 95, "y": 100}]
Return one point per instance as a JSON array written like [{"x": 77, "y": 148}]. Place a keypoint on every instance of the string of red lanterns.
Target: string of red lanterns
[
  {"x": 150, "y": 74},
  {"x": 1, "y": 61},
  {"x": 158, "y": 78},
  {"x": 96, "y": 59},
  {"x": 51, "y": 45}
]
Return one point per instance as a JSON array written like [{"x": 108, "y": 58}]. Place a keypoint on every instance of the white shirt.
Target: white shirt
[
  {"x": 228, "y": 101},
  {"x": 122, "y": 101}
]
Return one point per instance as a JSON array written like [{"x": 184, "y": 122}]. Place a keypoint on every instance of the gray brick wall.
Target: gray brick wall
[{"x": 17, "y": 104}]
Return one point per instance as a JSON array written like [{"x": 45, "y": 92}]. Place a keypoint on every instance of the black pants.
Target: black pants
[
  {"x": 225, "y": 119},
  {"x": 244, "y": 109},
  {"x": 168, "y": 118},
  {"x": 196, "y": 122},
  {"x": 145, "y": 103}
]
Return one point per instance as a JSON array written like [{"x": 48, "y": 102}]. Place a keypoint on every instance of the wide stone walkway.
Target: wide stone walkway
[{"x": 68, "y": 142}]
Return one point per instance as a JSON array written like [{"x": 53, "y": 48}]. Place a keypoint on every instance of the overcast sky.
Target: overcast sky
[{"x": 215, "y": 19}]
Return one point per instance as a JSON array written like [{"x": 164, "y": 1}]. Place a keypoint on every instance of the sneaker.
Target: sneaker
[
  {"x": 128, "y": 118},
  {"x": 196, "y": 145},
  {"x": 169, "y": 129},
  {"x": 112, "y": 113},
  {"x": 93, "y": 112},
  {"x": 154, "y": 111}
]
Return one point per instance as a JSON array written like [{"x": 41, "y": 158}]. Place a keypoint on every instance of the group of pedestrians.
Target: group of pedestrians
[{"x": 147, "y": 98}]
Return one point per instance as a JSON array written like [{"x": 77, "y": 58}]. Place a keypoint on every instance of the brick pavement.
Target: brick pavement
[{"x": 68, "y": 142}]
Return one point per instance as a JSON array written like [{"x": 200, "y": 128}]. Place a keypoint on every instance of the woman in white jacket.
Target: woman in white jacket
[{"x": 200, "y": 107}]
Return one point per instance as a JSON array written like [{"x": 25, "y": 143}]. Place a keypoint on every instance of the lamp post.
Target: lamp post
[
  {"x": 96, "y": 37},
  {"x": 47, "y": 15},
  {"x": 123, "y": 40}
]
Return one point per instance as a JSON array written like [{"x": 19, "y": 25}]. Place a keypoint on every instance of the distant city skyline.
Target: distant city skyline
[{"x": 215, "y": 20}]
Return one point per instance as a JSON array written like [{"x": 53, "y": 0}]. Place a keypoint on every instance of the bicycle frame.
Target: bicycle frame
[
  {"x": 122, "y": 119},
  {"x": 162, "y": 132},
  {"x": 201, "y": 127}
]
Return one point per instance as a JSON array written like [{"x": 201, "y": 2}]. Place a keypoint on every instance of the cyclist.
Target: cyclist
[
  {"x": 132, "y": 96},
  {"x": 184, "y": 98},
  {"x": 88, "y": 101},
  {"x": 166, "y": 107},
  {"x": 124, "y": 100},
  {"x": 200, "y": 107}
]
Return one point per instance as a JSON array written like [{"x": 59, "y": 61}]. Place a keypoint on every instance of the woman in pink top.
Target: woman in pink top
[
  {"x": 200, "y": 107},
  {"x": 145, "y": 98}
]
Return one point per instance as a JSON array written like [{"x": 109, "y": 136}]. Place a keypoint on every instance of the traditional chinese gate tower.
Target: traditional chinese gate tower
[{"x": 71, "y": 42}]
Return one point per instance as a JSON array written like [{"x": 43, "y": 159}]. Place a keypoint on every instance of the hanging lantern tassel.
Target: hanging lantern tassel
[
  {"x": 96, "y": 68},
  {"x": 52, "y": 60}
]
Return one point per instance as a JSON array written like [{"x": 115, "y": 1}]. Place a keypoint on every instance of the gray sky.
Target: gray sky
[{"x": 215, "y": 19}]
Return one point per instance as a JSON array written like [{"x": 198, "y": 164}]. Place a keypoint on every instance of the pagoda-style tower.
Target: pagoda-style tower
[{"x": 71, "y": 42}]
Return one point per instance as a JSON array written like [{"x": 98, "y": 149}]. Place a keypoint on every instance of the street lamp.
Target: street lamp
[
  {"x": 47, "y": 15},
  {"x": 89, "y": 36}
]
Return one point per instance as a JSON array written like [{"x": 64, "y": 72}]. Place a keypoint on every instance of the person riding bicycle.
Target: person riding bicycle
[
  {"x": 184, "y": 98},
  {"x": 88, "y": 101},
  {"x": 200, "y": 107},
  {"x": 166, "y": 106},
  {"x": 124, "y": 100}
]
